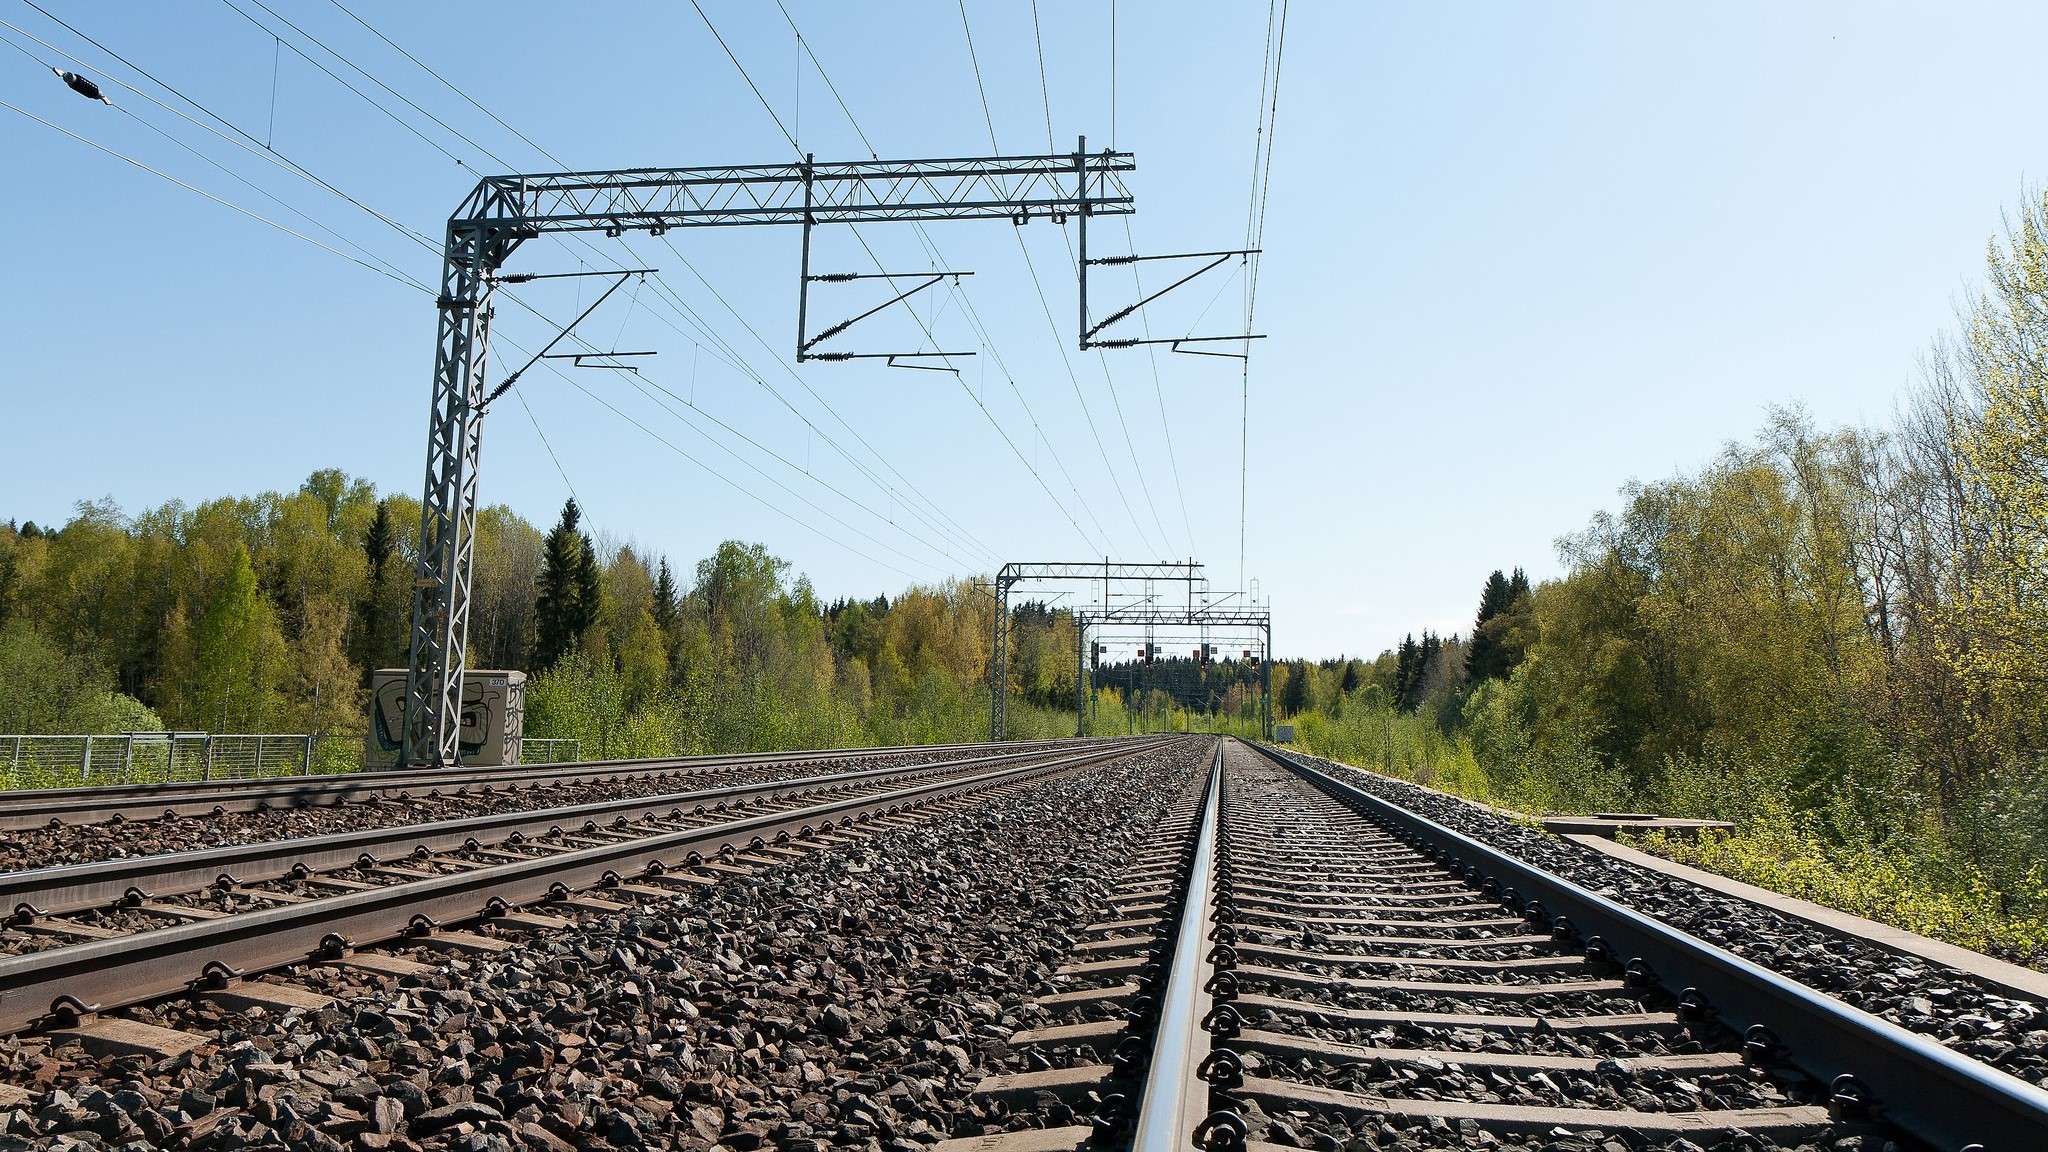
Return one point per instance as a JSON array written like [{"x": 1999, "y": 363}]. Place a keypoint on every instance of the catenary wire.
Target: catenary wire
[
  {"x": 737, "y": 361},
  {"x": 241, "y": 138},
  {"x": 225, "y": 203},
  {"x": 407, "y": 281},
  {"x": 457, "y": 133},
  {"x": 988, "y": 117},
  {"x": 755, "y": 88},
  {"x": 389, "y": 269},
  {"x": 1158, "y": 390},
  {"x": 974, "y": 318},
  {"x": 871, "y": 254},
  {"x": 366, "y": 97},
  {"x": 396, "y": 47}
]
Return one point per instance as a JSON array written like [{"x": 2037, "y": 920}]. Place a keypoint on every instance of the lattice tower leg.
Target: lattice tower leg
[{"x": 443, "y": 565}]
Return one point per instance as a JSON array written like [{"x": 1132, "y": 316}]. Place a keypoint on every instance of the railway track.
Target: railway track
[
  {"x": 43, "y": 807},
  {"x": 169, "y": 946},
  {"x": 52, "y": 907},
  {"x": 1165, "y": 944},
  {"x": 1302, "y": 964}
]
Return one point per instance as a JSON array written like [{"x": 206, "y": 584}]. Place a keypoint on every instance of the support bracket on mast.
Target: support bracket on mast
[
  {"x": 806, "y": 342},
  {"x": 1215, "y": 260}
]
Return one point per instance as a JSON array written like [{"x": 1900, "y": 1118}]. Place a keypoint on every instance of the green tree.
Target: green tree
[
  {"x": 2003, "y": 453},
  {"x": 1498, "y": 632},
  {"x": 1294, "y": 694},
  {"x": 667, "y": 601},
  {"x": 377, "y": 636},
  {"x": 237, "y": 655},
  {"x": 47, "y": 691},
  {"x": 569, "y": 597}
]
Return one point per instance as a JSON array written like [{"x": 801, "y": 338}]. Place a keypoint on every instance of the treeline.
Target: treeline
[
  {"x": 266, "y": 614},
  {"x": 1837, "y": 638}
]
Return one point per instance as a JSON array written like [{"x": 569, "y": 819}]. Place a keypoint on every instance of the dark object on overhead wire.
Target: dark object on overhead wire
[{"x": 82, "y": 86}]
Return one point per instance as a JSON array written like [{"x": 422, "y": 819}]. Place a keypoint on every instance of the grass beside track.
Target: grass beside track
[{"x": 1921, "y": 884}]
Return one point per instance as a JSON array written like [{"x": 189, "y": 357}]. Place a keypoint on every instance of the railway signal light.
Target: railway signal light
[{"x": 1095, "y": 656}]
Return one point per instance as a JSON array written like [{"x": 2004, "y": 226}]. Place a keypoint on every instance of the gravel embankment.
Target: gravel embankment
[
  {"x": 848, "y": 999},
  {"x": 1951, "y": 1006}
]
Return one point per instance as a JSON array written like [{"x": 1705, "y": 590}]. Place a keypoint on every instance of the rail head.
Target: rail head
[
  {"x": 1176, "y": 1098},
  {"x": 1903, "y": 1078}
]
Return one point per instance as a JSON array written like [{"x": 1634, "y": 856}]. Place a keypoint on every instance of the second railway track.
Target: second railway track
[
  {"x": 51, "y": 907},
  {"x": 43, "y": 807},
  {"x": 308, "y": 914}
]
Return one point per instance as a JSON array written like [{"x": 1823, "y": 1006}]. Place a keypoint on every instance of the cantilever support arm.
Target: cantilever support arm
[
  {"x": 1088, "y": 331},
  {"x": 804, "y": 345},
  {"x": 506, "y": 384}
]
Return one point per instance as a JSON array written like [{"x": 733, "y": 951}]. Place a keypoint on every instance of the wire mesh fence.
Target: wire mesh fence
[
  {"x": 167, "y": 757},
  {"x": 550, "y": 751}
]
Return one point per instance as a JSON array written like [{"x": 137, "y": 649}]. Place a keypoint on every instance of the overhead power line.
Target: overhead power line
[
  {"x": 671, "y": 299},
  {"x": 1137, "y": 466},
  {"x": 507, "y": 164},
  {"x": 407, "y": 280},
  {"x": 222, "y": 201},
  {"x": 755, "y": 88},
  {"x": 974, "y": 319}
]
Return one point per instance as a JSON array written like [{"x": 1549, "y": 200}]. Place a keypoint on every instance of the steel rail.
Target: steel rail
[
  {"x": 1902, "y": 1078},
  {"x": 36, "y": 807},
  {"x": 52, "y": 986},
  {"x": 33, "y": 894},
  {"x": 1176, "y": 1099}
]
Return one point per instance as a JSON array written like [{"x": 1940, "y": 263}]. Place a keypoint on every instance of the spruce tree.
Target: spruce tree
[
  {"x": 1294, "y": 694},
  {"x": 1406, "y": 674},
  {"x": 1484, "y": 659},
  {"x": 1496, "y": 646},
  {"x": 370, "y": 642},
  {"x": 589, "y": 587},
  {"x": 558, "y": 612},
  {"x": 379, "y": 541},
  {"x": 668, "y": 603}
]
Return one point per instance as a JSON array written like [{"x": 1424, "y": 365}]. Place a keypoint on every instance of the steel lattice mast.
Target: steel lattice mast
[{"x": 505, "y": 211}]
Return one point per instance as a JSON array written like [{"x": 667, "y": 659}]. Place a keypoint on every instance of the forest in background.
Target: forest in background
[
  {"x": 1837, "y": 639},
  {"x": 267, "y": 613}
]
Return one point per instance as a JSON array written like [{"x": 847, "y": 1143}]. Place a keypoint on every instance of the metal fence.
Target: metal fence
[
  {"x": 164, "y": 757},
  {"x": 550, "y": 751}
]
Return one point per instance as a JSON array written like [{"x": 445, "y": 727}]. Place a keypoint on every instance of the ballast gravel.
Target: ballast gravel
[
  {"x": 1937, "y": 1001},
  {"x": 1618, "y": 1080},
  {"x": 849, "y": 998},
  {"x": 66, "y": 844}
]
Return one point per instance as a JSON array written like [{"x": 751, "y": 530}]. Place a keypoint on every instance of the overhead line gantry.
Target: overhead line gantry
[
  {"x": 1141, "y": 608},
  {"x": 503, "y": 212}
]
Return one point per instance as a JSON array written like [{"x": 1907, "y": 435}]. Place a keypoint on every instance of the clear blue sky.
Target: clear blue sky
[{"x": 1516, "y": 255}]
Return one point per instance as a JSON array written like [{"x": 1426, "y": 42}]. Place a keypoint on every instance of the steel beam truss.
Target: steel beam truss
[
  {"x": 1240, "y": 620},
  {"x": 1106, "y": 572},
  {"x": 503, "y": 212}
]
